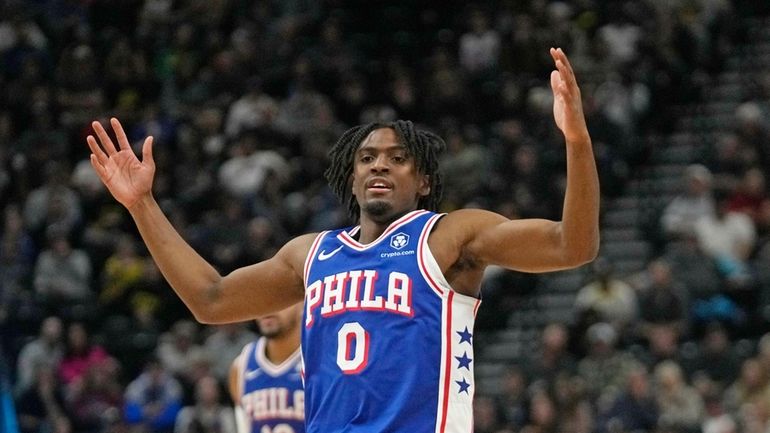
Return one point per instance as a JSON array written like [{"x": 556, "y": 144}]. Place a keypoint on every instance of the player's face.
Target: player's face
[
  {"x": 386, "y": 182},
  {"x": 277, "y": 324}
]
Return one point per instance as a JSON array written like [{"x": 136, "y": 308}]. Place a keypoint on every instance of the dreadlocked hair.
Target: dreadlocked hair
[{"x": 425, "y": 147}]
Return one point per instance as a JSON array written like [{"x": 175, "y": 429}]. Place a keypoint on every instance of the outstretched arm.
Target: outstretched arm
[
  {"x": 212, "y": 298},
  {"x": 538, "y": 245}
]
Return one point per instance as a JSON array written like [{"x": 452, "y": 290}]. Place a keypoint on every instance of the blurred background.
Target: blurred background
[{"x": 665, "y": 332}]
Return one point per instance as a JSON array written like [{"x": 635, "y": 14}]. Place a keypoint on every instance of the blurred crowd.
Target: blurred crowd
[{"x": 244, "y": 97}]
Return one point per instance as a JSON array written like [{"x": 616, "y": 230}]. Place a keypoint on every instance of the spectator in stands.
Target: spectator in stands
[
  {"x": 53, "y": 204},
  {"x": 62, "y": 273},
  {"x": 466, "y": 166},
  {"x": 605, "y": 368},
  {"x": 752, "y": 128},
  {"x": 306, "y": 110},
  {"x": 40, "y": 407},
  {"x": 486, "y": 418},
  {"x": 763, "y": 350},
  {"x": 480, "y": 46},
  {"x": 728, "y": 238},
  {"x": 749, "y": 195},
  {"x": 512, "y": 401},
  {"x": 253, "y": 110},
  {"x": 607, "y": 295},
  {"x": 663, "y": 300},
  {"x": 122, "y": 272},
  {"x": 691, "y": 266},
  {"x": 96, "y": 401},
  {"x": 80, "y": 355},
  {"x": 731, "y": 160},
  {"x": 680, "y": 406},
  {"x": 716, "y": 419},
  {"x": 750, "y": 388},
  {"x": 716, "y": 357},
  {"x": 153, "y": 400},
  {"x": 694, "y": 202},
  {"x": 543, "y": 417},
  {"x": 576, "y": 412},
  {"x": 634, "y": 409},
  {"x": 662, "y": 345},
  {"x": 225, "y": 344},
  {"x": 17, "y": 251},
  {"x": 243, "y": 174},
  {"x": 179, "y": 348},
  {"x": 44, "y": 351},
  {"x": 552, "y": 356},
  {"x": 208, "y": 415}
]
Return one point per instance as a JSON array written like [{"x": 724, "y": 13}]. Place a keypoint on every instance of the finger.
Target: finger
[
  {"x": 104, "y": 138},
  {"x": 96, "y": 150},
  {"x": 558, "y": 85},
  {"x": 570, "y": 78},
  {"x": 555, "y": 81},
  {"x": 147, "y": 152},
  {"x": 120, "y": 134},
  {"x": 100, "y": 170}
]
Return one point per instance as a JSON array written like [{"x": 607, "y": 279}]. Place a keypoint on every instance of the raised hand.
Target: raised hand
[
  {"x": 127, "y": 178},
  {"x": 567, "y": 103}
]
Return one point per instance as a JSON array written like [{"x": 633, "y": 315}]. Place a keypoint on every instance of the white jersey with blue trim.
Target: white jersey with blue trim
[
  {"x": 387, "y": 345},
  {"x": 272, "y": 396}
]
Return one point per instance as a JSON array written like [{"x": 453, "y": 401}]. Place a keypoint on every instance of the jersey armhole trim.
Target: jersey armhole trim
[{"x": 311, "y": 254}]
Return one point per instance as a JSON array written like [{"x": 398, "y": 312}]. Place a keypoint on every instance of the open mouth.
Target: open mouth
[{"x": 379, "y": 185}]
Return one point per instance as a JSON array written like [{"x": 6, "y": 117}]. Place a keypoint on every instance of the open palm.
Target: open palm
[
  {"x": 567, "y": 103},
  {"x": 125, "y": 176}
]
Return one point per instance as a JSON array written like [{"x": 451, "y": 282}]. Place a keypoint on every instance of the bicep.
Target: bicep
[
  {"x": 527, "y": 245},
  {"x": 262, "y": 288}
]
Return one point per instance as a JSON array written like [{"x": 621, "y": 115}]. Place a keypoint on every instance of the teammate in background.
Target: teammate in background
[
  {"x": 265, "y": 379},
  {"x": 387, "y": 341}
]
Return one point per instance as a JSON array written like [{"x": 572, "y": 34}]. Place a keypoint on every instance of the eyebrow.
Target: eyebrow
[{"x": 370, "y": 148}]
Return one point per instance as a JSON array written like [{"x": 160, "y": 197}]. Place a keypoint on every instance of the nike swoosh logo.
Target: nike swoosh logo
[
  {"x": 251, "y": 374},
  {"x": 323, "y": 255}
]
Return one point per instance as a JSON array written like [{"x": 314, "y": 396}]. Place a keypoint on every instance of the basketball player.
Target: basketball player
[
  {"x": 265, "y": 379},
  {"x": 389, "y": 305}
]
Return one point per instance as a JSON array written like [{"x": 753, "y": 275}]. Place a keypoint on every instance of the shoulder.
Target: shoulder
[
  {"x": 470, "y": 218},
  {"x": 458, "y": 228},
  {"x": 454, "y": 232},
  {"x": 296, "y": 250}
]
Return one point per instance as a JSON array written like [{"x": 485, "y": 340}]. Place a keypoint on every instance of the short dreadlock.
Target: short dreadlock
[{"x": 425, "y": 147}]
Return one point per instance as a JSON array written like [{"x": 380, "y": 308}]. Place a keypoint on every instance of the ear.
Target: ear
[{"x": 424, "y": 188}]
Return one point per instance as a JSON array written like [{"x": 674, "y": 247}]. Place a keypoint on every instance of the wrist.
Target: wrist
[
  {"x": 581, "y": 141},
  {"x": 142, "y": 203},
  {"x": 580, "y": 146}
]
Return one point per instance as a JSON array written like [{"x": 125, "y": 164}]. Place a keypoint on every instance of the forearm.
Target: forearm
[
  {"x": 191, "y": 277},
  {"x": 580, "y": 217}
]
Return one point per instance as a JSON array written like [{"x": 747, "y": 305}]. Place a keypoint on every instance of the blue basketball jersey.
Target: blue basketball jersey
[
  {"x": 387, "y": 345},
  {"x": 272, "y": 396}
]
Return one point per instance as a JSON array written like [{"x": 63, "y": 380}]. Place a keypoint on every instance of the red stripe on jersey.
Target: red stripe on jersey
[
  {"x": 420, "y": 261},
  {"x": 447, "y": 361},
  {"x": 345, "y": 237},
  {"x": 311, "y": 254}
]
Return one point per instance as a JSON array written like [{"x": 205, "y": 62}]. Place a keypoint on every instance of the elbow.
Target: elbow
[
  {"x": 208, "y": 308},
  {"x": 204, "y": 317},
  {"x": 582, "y": 254}
]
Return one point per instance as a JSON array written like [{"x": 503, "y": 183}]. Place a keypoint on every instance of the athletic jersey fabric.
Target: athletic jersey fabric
[
  {"x": 387, "y": 345},
  {"x": 272, "y": 396}
]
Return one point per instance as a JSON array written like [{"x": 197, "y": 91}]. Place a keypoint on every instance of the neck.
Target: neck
[
  {"x": 371, "y": 228},
  {"x": 281, "y": 347}
]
